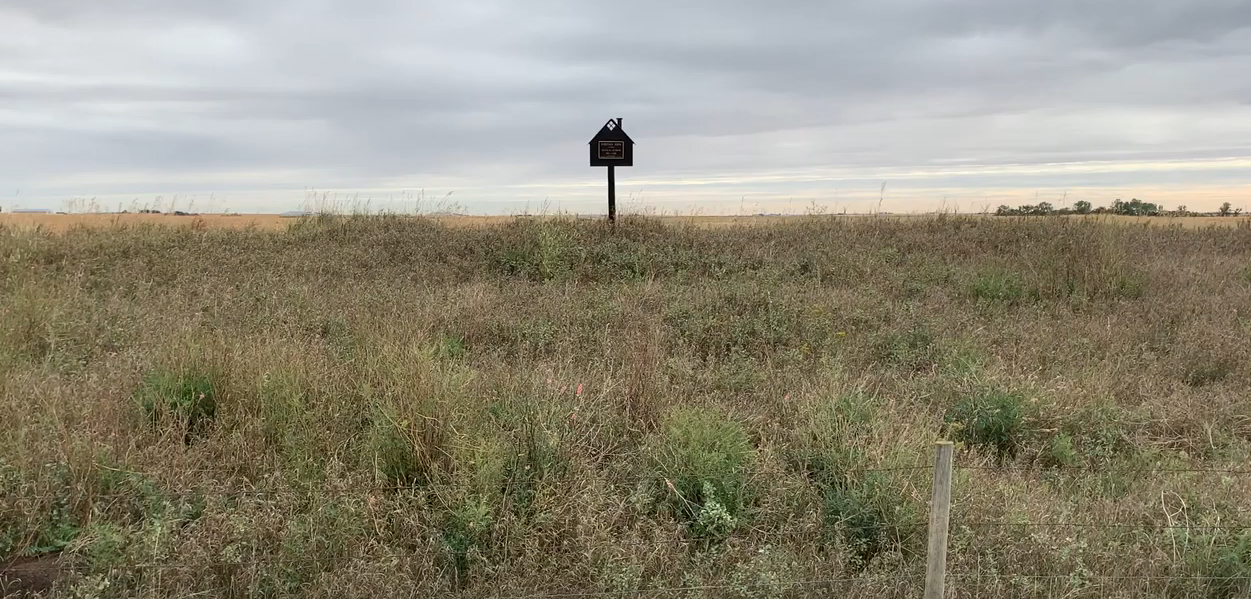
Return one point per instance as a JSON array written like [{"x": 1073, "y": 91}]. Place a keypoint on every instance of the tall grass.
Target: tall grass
[{"x": 389, "y": 406}]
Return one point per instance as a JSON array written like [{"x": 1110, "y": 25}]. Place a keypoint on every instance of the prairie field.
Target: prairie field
[
  {"x": 64, "y": 222},
  {"x": 374, "y": 406}
]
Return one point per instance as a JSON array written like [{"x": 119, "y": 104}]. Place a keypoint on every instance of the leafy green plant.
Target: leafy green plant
[
  {"x": 186, "y": 401},
  {"x": 992, "y": 419},
  {"x": 701, "y": 459}
]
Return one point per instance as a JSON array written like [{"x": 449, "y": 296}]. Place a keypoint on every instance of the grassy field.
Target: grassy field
[
  {"x": 400, "y": 407},
  {"x": 65, "y": 222}
]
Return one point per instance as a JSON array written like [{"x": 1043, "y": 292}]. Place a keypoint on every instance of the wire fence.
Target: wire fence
[{"x": 969, "y": 578}]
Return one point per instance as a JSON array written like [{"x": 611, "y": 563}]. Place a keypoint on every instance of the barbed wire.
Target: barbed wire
[
  {"x": 901, "y": 578},
  {"x": 1086, "y": 576},
  {"x": 990, "y": 524},
  {"x": 716, "y": 587},
  {"x": 1100, "y": 470}
]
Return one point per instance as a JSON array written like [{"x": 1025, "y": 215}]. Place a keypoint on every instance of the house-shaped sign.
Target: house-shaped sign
[{"x": 611, "y": 146}]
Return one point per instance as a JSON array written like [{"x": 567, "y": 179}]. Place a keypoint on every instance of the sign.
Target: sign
[
  {"x": 612, "y": 150},
  {"x": 611, "y": 147}
]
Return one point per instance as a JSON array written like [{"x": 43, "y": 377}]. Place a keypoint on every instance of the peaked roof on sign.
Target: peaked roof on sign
[{"x": 611, "y": 131}]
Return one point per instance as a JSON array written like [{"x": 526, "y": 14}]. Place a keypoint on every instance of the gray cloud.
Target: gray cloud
[{"x": 133, "y": 96}]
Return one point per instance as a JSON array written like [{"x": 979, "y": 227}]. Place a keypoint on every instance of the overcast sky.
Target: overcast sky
[{"x": 247, "y": 105}]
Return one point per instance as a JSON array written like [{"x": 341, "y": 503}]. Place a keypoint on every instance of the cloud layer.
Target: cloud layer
[{"x": 972, "y": 101}]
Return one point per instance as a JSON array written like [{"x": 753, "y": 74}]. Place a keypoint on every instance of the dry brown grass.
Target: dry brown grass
[
  {"x": 406, "y": 408},
  {"x": 64, "y": 222}
]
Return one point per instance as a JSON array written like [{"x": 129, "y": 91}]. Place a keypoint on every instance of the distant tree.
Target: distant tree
[
  {"x": 1081, "y": 207},
  {"x": 1181, "y": 211},
  {"x": 1005, "y": 211},
  {"x": 1226, "y": 209},
  {"x": 1135, "y": 207},
  {"x": 1044, "y": 208}
]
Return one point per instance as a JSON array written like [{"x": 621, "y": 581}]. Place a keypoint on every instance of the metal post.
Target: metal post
[
  {"x": 940, "y": 517},
  {"x": 612, "y": 194}
]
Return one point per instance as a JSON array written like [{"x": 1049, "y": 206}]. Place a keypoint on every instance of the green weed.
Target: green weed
[
  {"x": 873, "y": 516},
  {"x": 1001, "y": 287},
  {"x": 185, "y": 401},
  {"x": 1219, "y": 564},
  {"x": 466, "y": 532},
  {"x": 701, "y": 459},
  {"x": 992, "y": 419}
]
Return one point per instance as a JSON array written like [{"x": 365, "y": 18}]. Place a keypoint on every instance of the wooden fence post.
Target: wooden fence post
[{"x": 940, "y": 516}]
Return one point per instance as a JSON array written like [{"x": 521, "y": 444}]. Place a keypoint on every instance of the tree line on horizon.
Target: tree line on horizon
[{"x": 1133, "y": 207}]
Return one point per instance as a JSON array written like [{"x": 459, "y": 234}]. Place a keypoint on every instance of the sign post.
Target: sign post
[
  {"x": 612, "y": 194},
  {"x": 611, "y": 147}
]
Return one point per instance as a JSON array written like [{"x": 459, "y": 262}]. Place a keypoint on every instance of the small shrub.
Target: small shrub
[
  {"x": 186, "y": 401},
  {"x": 714, "y": 520},
  {"x": 992, "y": 419},
  {"x": 701, "y": 458},
  {"x": 1002, "y": 287}
]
